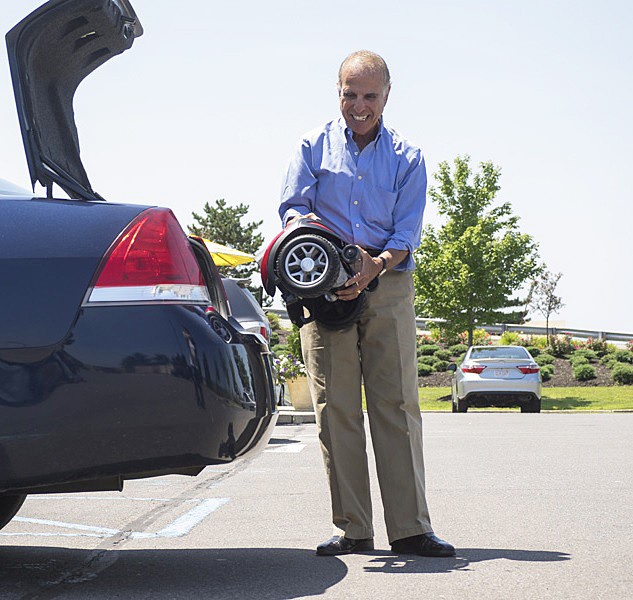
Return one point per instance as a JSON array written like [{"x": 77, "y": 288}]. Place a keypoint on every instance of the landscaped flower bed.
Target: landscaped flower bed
[{"x": 564, "y": 362}]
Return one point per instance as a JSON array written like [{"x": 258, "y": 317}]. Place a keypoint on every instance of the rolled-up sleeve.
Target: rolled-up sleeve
[
  {"x": 298, "y": 191},
  {"x": 409, "y": 210}
]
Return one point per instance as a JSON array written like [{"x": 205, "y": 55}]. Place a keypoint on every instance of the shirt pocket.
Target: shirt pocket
[{"x": 380, "y": 204}]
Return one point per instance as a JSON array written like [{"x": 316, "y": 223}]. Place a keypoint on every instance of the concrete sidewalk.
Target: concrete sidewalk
[{"x": 289, "y": 416}]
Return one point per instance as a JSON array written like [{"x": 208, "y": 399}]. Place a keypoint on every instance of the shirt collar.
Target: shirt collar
[{"x": 347, "y": 132}]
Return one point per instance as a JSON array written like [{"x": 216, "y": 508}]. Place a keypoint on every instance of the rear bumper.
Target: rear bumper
[
  {"x": 527, "y": 385},
  {"x": 132, "y": 393},
  {"x": 501, "y": 399}
]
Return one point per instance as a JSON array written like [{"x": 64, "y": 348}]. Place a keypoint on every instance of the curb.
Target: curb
[{"x": 289, "y": 416}]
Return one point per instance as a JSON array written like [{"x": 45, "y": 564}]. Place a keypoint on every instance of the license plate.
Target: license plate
[{"x": 501, "y": 372}]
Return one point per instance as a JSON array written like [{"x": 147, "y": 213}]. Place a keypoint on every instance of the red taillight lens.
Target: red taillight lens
[
  {"x": 264, "y": 332},
  {"x": 153, "y": 249},
  {"x": 151, "y": 260},
  {"x": 472, "y": 369},
  {"x": 529, "y": 369}
]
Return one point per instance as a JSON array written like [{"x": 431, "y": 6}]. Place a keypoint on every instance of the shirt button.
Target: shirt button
[
  {"x": 356, "y": 153},
  {"x": 355, "y": 202},
  {"x": 360, "y": 177},
  {"x": 357, "y": 225}
]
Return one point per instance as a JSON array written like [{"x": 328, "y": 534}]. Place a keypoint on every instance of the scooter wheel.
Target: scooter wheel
[{"x": 308, "y": 265}]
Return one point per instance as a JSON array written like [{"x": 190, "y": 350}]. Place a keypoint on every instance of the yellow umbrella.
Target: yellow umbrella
[{"x": 223, "y": 256}]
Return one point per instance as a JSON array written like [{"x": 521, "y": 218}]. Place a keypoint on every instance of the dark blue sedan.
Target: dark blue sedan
[{"x": 119, "y": 358}]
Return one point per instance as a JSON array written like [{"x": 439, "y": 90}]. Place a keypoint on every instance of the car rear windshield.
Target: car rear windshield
[{"x": 518, "y": 352}]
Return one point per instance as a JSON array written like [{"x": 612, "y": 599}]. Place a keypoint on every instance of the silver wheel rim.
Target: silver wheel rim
[{"x": 306, "y": 264}]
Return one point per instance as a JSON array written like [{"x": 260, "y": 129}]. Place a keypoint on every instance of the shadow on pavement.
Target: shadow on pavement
[
  {"x": 270, "y": 573},
  {"x": 282, "y": 441},
  {"x": 388, "y": 563}
]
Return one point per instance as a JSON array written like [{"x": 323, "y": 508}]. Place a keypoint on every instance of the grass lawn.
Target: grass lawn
[{"x": 555, "y": 398}]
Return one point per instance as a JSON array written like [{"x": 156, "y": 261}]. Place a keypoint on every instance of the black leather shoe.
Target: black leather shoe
[
  {"x": 427, "y": 544},
  {"x": 340, "y": 544}
]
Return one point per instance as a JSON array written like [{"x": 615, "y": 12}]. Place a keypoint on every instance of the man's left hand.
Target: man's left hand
[{"x": 369, "y": 269}]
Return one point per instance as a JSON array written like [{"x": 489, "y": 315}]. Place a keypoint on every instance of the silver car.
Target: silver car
[{"x": 496, "y": 376}]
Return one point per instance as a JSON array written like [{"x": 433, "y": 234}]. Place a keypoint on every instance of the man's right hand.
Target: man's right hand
[{"x": 308, "y": 216}]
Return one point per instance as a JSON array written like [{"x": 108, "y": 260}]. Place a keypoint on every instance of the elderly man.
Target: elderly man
[{"x": 368, "y": 184}]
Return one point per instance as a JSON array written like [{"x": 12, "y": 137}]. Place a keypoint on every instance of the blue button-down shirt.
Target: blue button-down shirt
[{"x": 374, "y": 198}]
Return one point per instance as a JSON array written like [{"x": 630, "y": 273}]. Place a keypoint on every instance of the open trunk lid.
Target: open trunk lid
[{"x": 50, "y": 52}]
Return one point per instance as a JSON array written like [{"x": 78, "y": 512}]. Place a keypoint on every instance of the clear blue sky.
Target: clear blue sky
[{"x": 211, "y": 100}]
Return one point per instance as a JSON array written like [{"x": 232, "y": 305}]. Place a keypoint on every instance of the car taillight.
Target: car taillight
[
  {"x": 264, "y": 332},
  {"x": 529, "y": 369},
  {"x": 472, "y": 369},
  {"x": 150, "y": 261}
]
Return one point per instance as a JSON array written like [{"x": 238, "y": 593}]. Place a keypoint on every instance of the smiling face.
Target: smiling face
[{"x": 363, "y": 93}]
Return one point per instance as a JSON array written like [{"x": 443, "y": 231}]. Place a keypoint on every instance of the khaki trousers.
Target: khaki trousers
[{"x": 380, "y": 351}]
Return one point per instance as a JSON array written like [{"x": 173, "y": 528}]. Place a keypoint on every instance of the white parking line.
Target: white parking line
[
  {"x": 178, "y": 528},
  {"x": 104, "y": 530},
  {"x": 184, "y": 524},
  {"x": 287, "y": 448}
]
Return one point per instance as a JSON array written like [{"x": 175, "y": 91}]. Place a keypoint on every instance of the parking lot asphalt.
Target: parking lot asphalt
[{"x": 538, "y": 506}]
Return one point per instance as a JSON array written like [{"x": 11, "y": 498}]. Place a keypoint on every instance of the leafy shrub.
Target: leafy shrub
[
  {"x": 443, "y": 354},
  {"x": 481, "y": 338},
  {"x": 458, "y": 349},
  {"x": 544, "y": 359},
  {"x": 608, "y": 360},
  {"x": 279, "y": 349},
  {"x": 294, "y": 344},
  {"x": 546, "y": 372},
  {"x": 427, "y": 360},
  {"x": 440, "y": 366},
  {"x": 623, "y": 356},
  {"x": 442, "y": 336},
  {"x": 598, "y": 346},
  {"x": 590, "y": 355},
  {"x": 584, "y": 372},
  {"x": 427, "y": 349},
  {"x": 533, "y": 350},
  {"x": 275, "y": 327},
  {"x": 623, "y": 374},
  {"x": 561, "y": 345},
  {"x": 540, "y": 341},
  {"x": 424, "y": 338},
  {"x": 424, "y": 369},
  {"x": 629, "y": 345},
  {"x": 274, "y": 320},
  {"x": 578, "y": 360},
  {"x": 510, "y": 338}
]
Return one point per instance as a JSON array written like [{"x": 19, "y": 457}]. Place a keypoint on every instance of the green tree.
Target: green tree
[
  {"x": 467, "y": 271},
  {"x": 223, "y": 224},
  {"x": 544, "y": 299}
]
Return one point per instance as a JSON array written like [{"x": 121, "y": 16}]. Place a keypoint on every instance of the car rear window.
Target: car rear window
[{"x": 492, "y": 352}]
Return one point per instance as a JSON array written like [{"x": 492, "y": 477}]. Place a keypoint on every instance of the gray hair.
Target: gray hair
[{"x": 367, "y": 60}]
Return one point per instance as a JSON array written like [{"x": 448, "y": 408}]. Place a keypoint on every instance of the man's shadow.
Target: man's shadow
[
  {"x": 385, "y": 562},
  {"x": 279, "y": 573}
]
